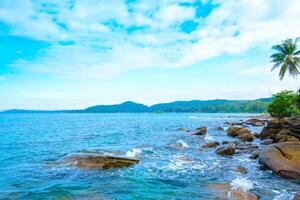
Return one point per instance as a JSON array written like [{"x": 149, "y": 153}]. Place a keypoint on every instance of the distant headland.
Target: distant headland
[{"x": 194, "y": 106}]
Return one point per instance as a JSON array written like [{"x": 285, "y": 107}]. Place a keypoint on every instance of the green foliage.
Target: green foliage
[
  {"x": 286, "y": 58},
  {"x": 284, "y": 104}
]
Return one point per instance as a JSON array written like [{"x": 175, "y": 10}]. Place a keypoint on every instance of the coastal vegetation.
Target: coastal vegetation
[{"x": 287, "y": 58}]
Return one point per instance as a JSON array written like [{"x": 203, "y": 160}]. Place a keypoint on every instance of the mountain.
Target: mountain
[
  {"x": 126, "y": 107},
  {"x": 208, "y": 106}
]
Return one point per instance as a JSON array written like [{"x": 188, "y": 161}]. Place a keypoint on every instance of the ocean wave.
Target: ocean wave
[
  {"x": 134, "y": 153},
  {"x": 242, "y": 183}
]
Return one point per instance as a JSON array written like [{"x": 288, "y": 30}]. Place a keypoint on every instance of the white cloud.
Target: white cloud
[{"x": 103, "y": 48}]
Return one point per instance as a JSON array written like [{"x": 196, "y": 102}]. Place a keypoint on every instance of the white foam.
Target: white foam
[
  {"x": 193, "y": 117},
  {"x": 135, "y": 152},
  {"x": 209, "y": 137},
  {"x": 182, "y": 143},
  {"x": 242, "y": 183}
]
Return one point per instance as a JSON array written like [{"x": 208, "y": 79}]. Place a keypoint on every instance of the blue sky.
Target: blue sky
[{"x": 65, "y": 54}]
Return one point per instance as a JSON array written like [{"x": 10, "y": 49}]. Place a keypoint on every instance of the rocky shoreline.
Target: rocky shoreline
[{"x": 276, "y": 148}]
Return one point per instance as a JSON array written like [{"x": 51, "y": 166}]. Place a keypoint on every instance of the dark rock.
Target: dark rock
[
  {"x": 225, "y": 142},
  {"x": 94, "y": 161},
  {"x": 220, "y": 128},
  {"x": 256, "y": 135},
  {"x": 227, "y": 149},
  {"x": 241, "y": 170},
  {"x": 231, "y": 131},
  {"x": 211, "y": 145},
  {"x": 201, "y": 130},
  {"x": 266, "y": 142},
  {"x": 283, "y": 158},
  {"x": 254, "y": 155}
]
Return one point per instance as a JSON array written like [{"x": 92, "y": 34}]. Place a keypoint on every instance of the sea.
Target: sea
[{"x": 172, "y": 163}]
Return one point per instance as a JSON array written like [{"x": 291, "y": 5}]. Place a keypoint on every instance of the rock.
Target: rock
[
  {"x": 283, "y": 158},
  {"x": 266, "y": 142},
  {"x": 254, "y": 155},
  {"x": 291, "y": 138},
  {"x": 246, "y": 148},
  {"x": 182, "y": 129},
  {"x": 241, "y": 169},
  {"x": 242, "y": 133},
  {"x": 225, "y": 142},
  {"x": 256, "y": 135},
  {"x": 220, "y": 128},
  {"x": 231, "y": 131},
  {"x": 94, "y": 161},
  {"x": 201, "y": 130},
  {"x": 226, "y": 191},
  {"x": 211, "y": 145},
  {"x": 270, "y": 130},
  {"x": 281, "y": 136},
  {"x": 242, "y": 194},
  {"x": 248, "y": 137},
  {"x": 227, "y": 149},
  {"x": 254, "y": 122},
  {"x": 297, "y": 196}
]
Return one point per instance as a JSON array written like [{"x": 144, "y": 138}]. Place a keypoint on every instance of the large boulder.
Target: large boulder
[
  {"x": 297, "y": 196},
  {"x": 282, "y": 158},
  {"x": 95, "y": 161},
  {"x": 226, "y": 150},
  {"x": 241, "y": 132}
]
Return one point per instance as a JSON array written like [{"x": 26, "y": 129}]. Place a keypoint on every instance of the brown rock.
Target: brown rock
[
  {"x": 257, "y": 135},
  {"x": 211, "y": 145},
  {"x": 241, "y": 169},
  {"x": 225, "y": 191},
  {"x": 247, "y": 137},
  {"x": 254, "y": 122},
  {"x": 231, "y": 131},
  {"x": 93, "y": 161},
  {"x": 201, "y": 130},
  {"x": 283, "y": 158},
  {"x": 291, "y": 138},
  {"x": 281, "y": 136},
  {"x": 227, "y": 149}
]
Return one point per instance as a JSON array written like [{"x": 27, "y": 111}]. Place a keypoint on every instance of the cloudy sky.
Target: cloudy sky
[{"x": 63, "y": 54}]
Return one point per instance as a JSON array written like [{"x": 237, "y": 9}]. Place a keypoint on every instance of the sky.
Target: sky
[{"x": 71, "y": 54}]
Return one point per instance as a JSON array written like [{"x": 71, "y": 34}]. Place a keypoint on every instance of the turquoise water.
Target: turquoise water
[{"x": 31, "y": 143}]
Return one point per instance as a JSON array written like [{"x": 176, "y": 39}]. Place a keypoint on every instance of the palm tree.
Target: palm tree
[{"x": 287, "y": 58}]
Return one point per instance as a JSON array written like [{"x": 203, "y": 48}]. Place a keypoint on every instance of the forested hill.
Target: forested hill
[{"x": 207, "y": 106}]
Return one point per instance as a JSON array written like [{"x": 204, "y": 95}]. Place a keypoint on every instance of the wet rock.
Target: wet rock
[
  {"x": 226, "y": 191},
  {"x": 225, "y": 142},
  {"x": 227, "y": 149},
  {"x": 220, "y": 128},
  {"x": 242, "y": 133},
  {"x": 248, "y": 137},
  {"x": 282, "y": 158},
  {"x": 254, "y": 122},
  {"x": 266, "y": 142},
  {"x": 246, "y": 148},
  {"x": 94, "y": 161},
  {"x": 256, "y": 135},
  {"x": 183, "y": 129},
  {"x": 241, "y": 170},
  {"x": 211, "y": 145},
  {"x": 231, "y": 131},
  {"x": 254, "y": 155},
  {"x": 297, "y": 196},
  {"x": 201, "y": 130}
]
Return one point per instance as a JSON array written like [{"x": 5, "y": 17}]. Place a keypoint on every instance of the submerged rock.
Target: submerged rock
[
  {"x": 94, "y": 161},
  {"x": 254, "y": 155},
  {"x": 282, "y": 158},
  {"x": 201, "y": 130},
  {"x": 225, "y": 191},
  {"x": 266, "y": 141},
  {"x": 241, "y": 169},
  {"x": 211, "y": 145},
  {"x": 227, "y": 149}
]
